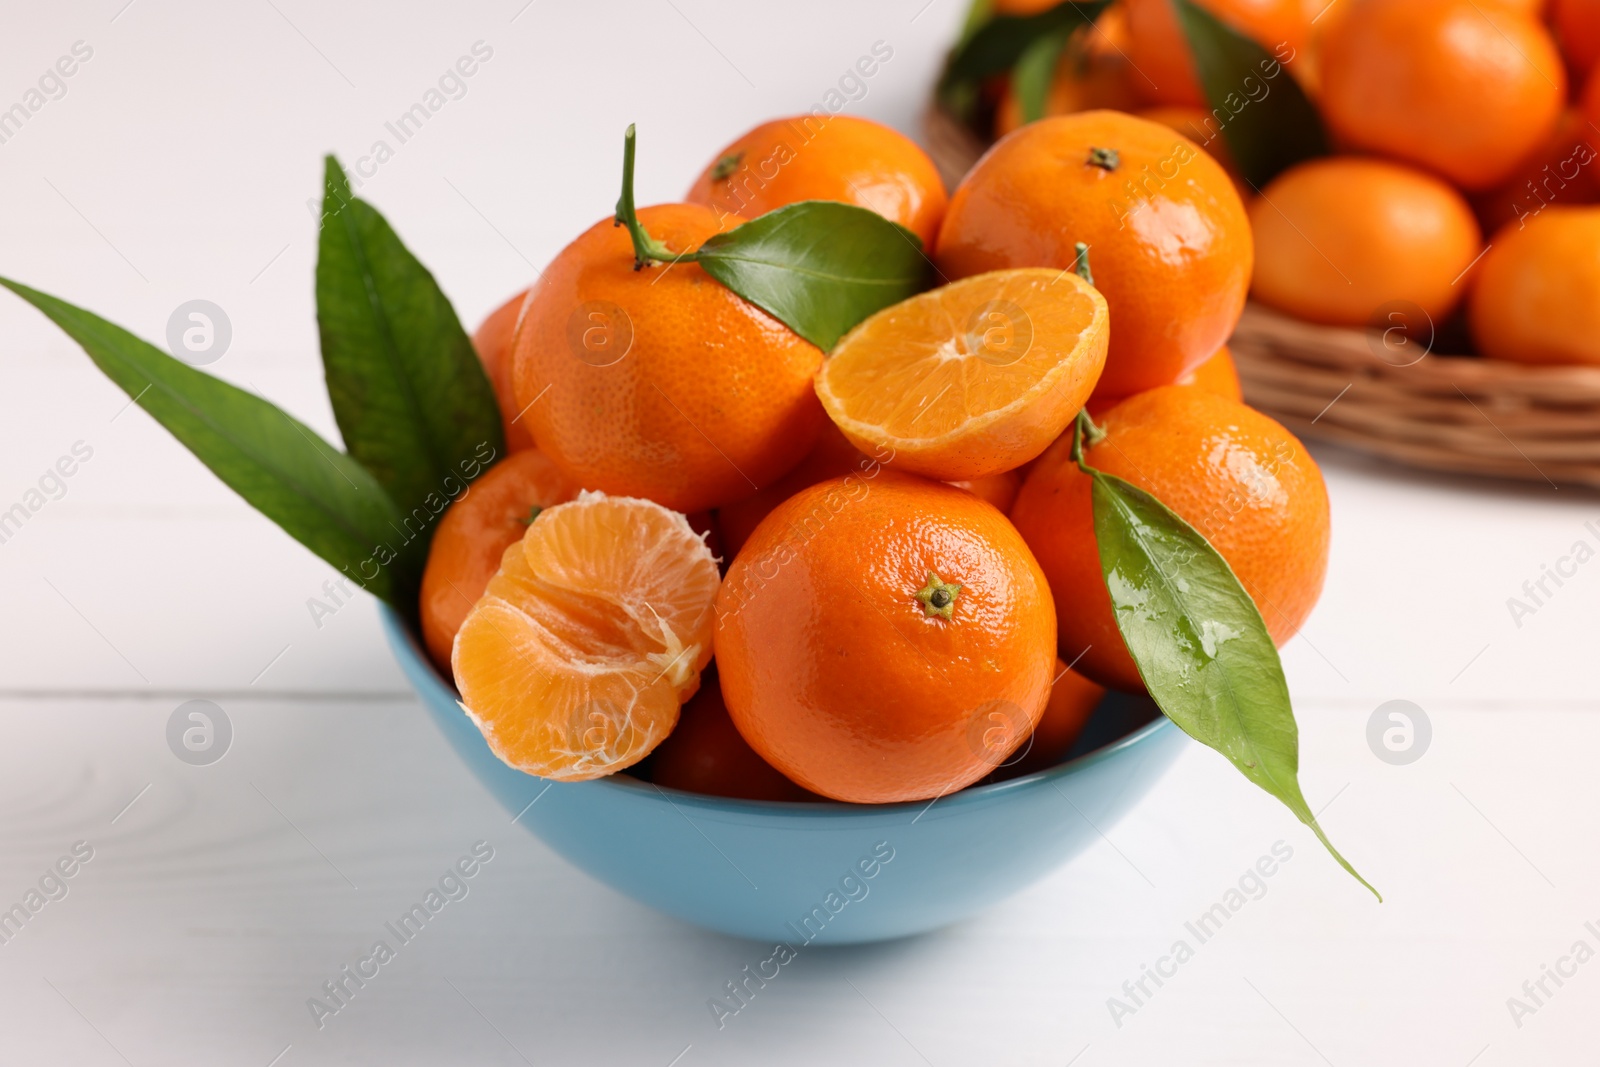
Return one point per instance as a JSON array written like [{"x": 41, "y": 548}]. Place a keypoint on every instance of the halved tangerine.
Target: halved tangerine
[
  {"x": 578, "y": 656},
  {"x": 973, "y": 378}
]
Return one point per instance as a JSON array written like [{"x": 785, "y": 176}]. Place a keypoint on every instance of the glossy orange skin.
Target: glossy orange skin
[
  {"x": 831, "y": 457},
  {"x": 1236, "y": 476},
  {"x": 834, "y": 673},
  {"x": 1458, "y": 87},
  {"x": 1172, "y": 255},
  {"x": 475, "y": 532},
  {"x": 712, "y": 399},
  {"x": 493, "y": 339},
  {"x": 1201, "y": 127},
  {"x": 1562, "y": 170},
  {"x": 1218, "y": 375},
  {"x": 705, "y": 754},
  {"x": 820, "y": 157},
  {"x": 1338, "y": 239},
  {"x": 1160, "y": 51},
  {"x": 1577, "y": 26},
  {"x": 1536, "y": 297},
  {"x": 998, "y": 489},
  {"x": 1073, "y": 699}
]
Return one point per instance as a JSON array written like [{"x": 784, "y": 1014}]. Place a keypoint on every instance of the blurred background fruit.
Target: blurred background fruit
[
  {"x": 1536, "y": 298},
  {"x": 628, "y": 376},
  {"x": 1133, "y": 191},
  {"x": 885, "y": 646},
  {"x": 825, "y": 157},
  {"x": 1160, "y": 50},
  {"x": 1577, "y": 26},
  {"x": 1239, "y": 478},
  {"x": 1462, "y": 88},
  {"x": 1093, "y": 72},
  {"x": 972, "y": 378},
  {"x": 1398, "y": 113},
  {"x": 1559, "y": 171},
  {"x": 1338, "y": 239},
  {"x": 1589, "y": 113}
]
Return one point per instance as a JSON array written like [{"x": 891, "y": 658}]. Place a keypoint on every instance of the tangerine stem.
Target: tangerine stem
[
  {"x": 1080, "y": 266},
  {"x": 1081, "y": 428},
  {"x": 646, "y": 249}
]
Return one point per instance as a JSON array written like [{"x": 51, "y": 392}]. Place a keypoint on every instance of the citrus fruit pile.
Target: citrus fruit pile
[
  {"x": 821, "y": 484},
  {"x": 908, "y": 553},
  {"x": 1453, "y": 188}
]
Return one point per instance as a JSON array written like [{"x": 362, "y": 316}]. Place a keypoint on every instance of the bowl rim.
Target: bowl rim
[{"x": 402, "y": 640}]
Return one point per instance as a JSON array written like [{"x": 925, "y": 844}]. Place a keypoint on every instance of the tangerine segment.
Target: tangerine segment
[
  {"x": 593, "y": 633},
  {"x": 973, "y": 378}
]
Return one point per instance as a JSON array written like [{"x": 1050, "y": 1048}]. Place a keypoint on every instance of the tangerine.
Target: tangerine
[
  {"x": 998, "y": 489},
  {"x": 1464, "y": 89},
  {"x": 1559, "y": 171},
  {"x": 1536, "y": 298},
  {"x": 1092, "y": 72},
  {"x": 493, "y": 339},
  {"x": 1160, "y": 49},
  {"x": 594, "y": 631},
  {"x": 1577, "y": 25},
  {"x": 1073, "y": 699},
  {"x": 972, "y": 378},
  {"x": 886, "y": 644},
  {"x": 661, "y": 383},
  {"x": 474, "y": 533},
  {"x": 1218, "y": 375},
  {"x": 1337, "y": 239},
  {"x": 1239, "y": 478},
  {"x": 833, "y": 456},
  {"x": 825, "y": 157},
  {"x": 1169, "y": 243},
  {"x": 705, "y": 754}
]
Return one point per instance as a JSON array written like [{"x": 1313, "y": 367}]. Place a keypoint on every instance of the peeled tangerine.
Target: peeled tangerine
[{"x": 578, "y": 656}]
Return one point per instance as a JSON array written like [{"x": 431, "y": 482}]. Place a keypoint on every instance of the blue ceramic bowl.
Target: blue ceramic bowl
[{"x": 820, "y": 872}]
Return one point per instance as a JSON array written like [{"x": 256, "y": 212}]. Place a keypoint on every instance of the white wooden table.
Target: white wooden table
[{"x": 218, "y": 899}]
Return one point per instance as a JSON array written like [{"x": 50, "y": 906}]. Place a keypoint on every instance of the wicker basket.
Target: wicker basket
[{"x": 1449, "y": 413}]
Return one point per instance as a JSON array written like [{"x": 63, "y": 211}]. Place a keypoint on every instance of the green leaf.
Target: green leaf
[
  {"x": 997, "y": 46},
  {"x": 1199, "y": 642},
  {"x": 817, "y": 266},
  {"x": 1266, "y": 119},
  {"x": 320, "y": 496},
  {"x": 409, "y": 393},
  {"x": 1034, "y": 71}
]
